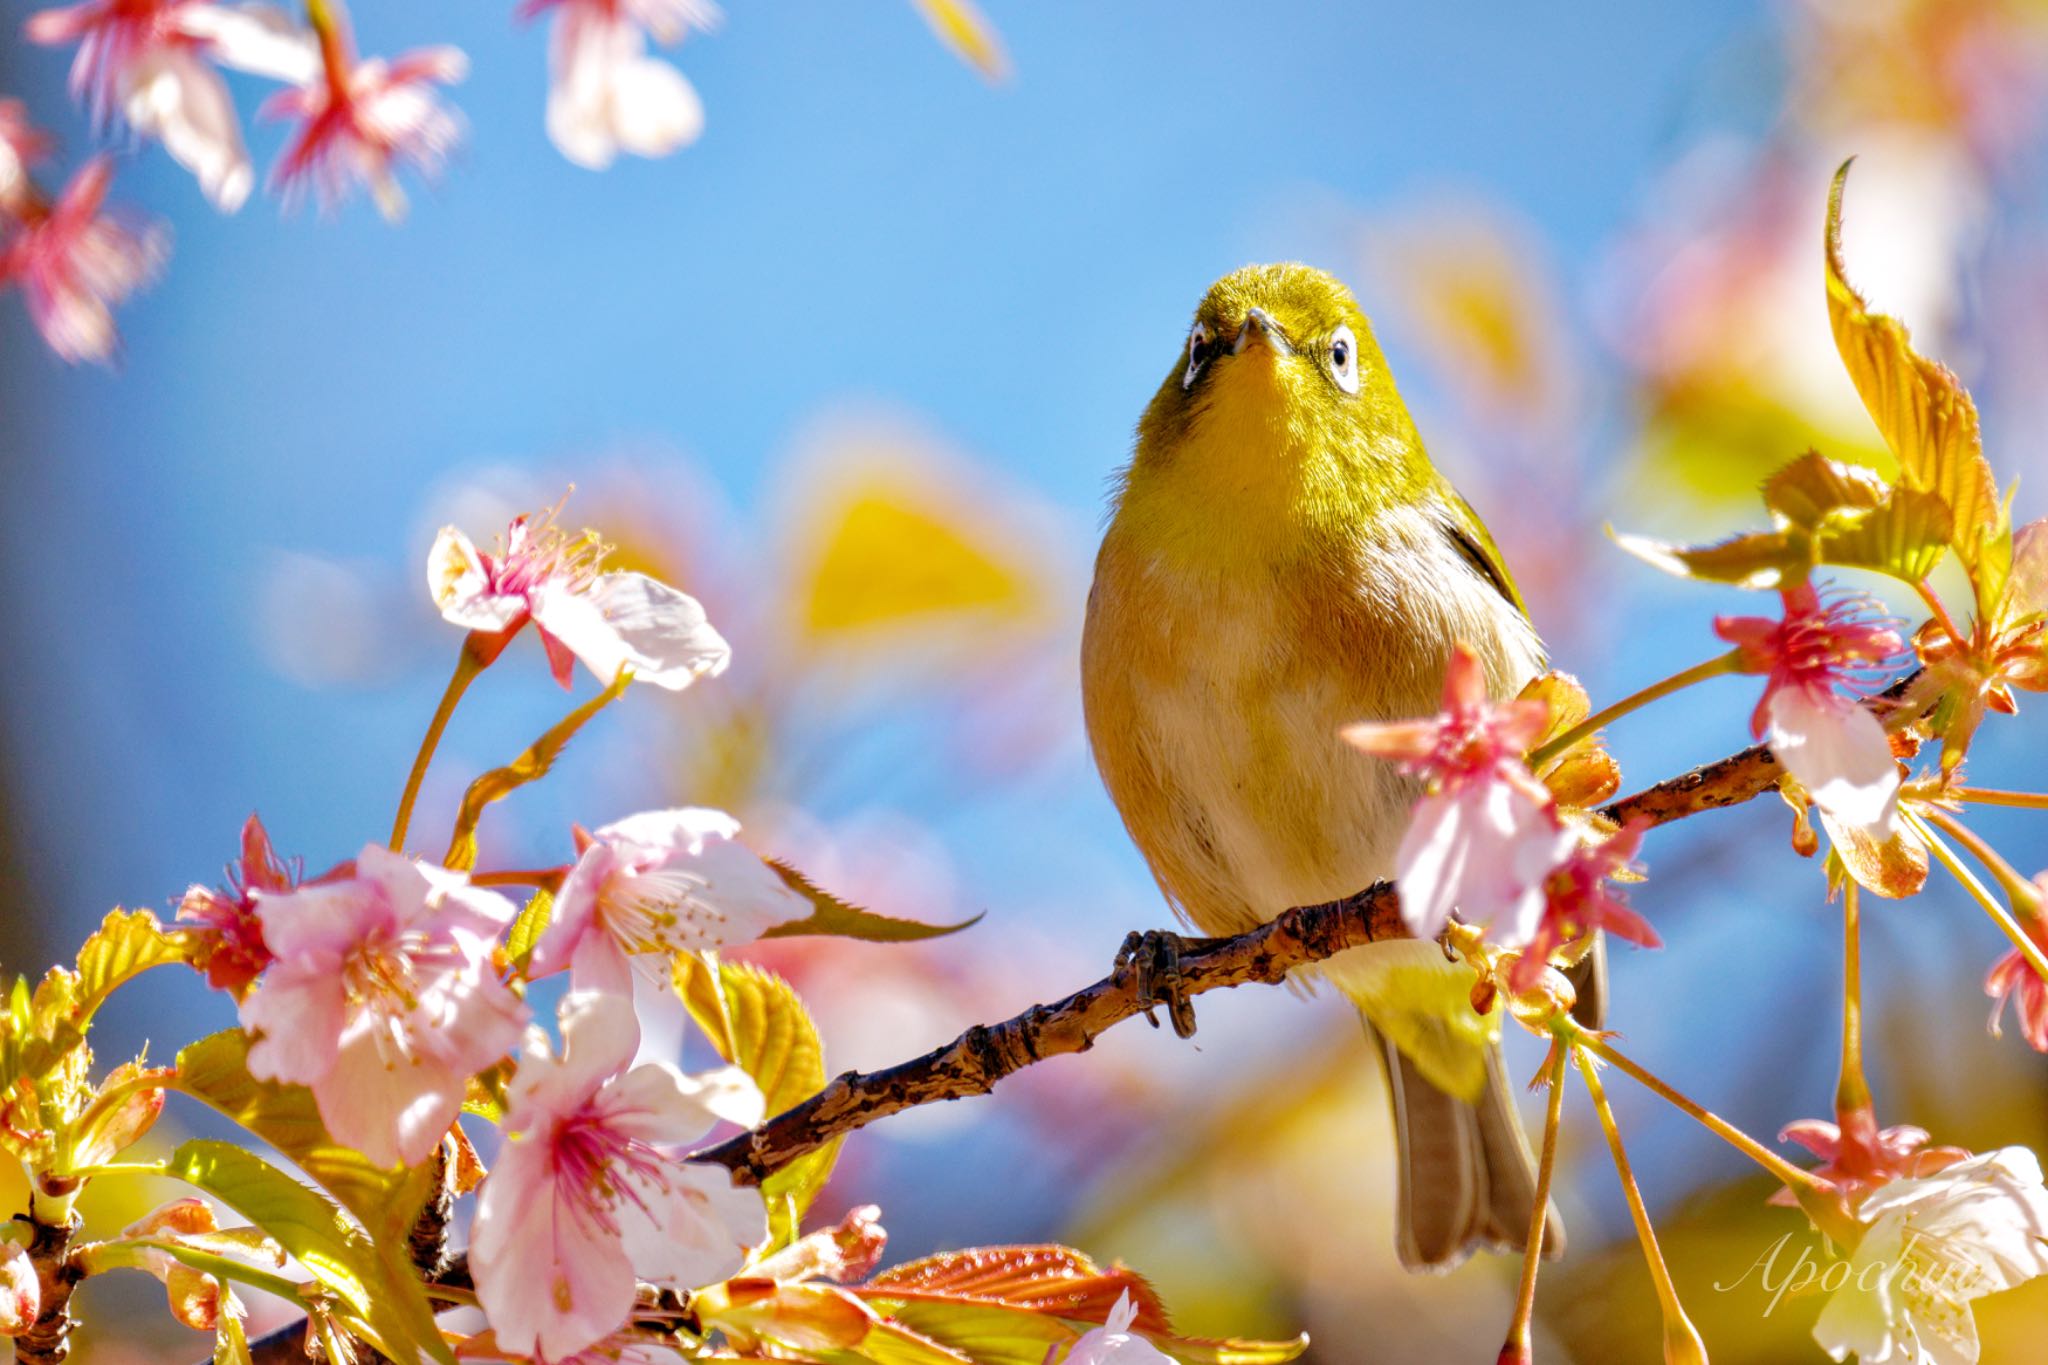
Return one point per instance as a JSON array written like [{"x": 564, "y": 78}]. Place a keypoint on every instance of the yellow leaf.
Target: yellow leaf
[
  {"x": 962, "y": 27},
  {"x": 890, "y": 561},
  {"x": 1921, "y": 409}
]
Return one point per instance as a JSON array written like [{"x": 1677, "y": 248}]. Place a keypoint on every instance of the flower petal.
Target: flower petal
[
  {"x": 181, "y": 101},
  {"x": 1839, "y": 753}
]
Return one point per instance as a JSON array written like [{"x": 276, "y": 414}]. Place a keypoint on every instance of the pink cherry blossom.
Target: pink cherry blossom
[
  {"x": 146, "y": 63},
  {"x": 234, "y": 953},
  {"x": 73, "y": 262},
  {"x": 382, "y": 998},
  {"x": 1578, "y": 901},
  {"x": 659, "y": 883},
  {"x": 1834, "y": 746},
  {"x": 611, "y": 621},
  {"x": 1485, "y": 834},
  {"x": 2014, "y": 981},
  {"x": 606, "y": 95},
  {"x": 587, "y": 1197},
  {"x": 1866, "y": 1156},
  {"x": 22, "y": 145},
  {"x": 1114, "y": 1343},
  {"x": 361, "y": 120}
]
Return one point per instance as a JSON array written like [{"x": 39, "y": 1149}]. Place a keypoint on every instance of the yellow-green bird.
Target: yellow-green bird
[{"x": 1283, "y": 560}]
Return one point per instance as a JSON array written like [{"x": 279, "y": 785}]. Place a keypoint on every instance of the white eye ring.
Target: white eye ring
[
  {"x": 1344, "y": 359},
  {"x": 1198, "y": 337}
]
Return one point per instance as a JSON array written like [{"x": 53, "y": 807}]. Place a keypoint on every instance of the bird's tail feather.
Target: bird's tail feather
[{"x": 1467, "y": 1178}]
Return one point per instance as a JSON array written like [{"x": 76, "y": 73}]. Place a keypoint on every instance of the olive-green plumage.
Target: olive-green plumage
[{"x": 1283, "y": 559}]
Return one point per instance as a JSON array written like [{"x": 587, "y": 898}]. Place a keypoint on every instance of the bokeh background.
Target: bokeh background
[{"x": 855, "y": 369}]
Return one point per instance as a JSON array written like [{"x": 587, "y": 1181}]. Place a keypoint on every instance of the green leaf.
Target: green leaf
[
  {"x": 389, "y": 1309},
  {"x": 127, "y": 943},
  {"x": 527, "y": 929},
  {"x": 230, "y": 1342},
  {"x": 758, "y": 1023},
  {"x": 843, "y": 919},
  {"x": 216, "y": 1070},
  {"x": 1905, "y": 537},
  {"x": 1761, "y": 559}
]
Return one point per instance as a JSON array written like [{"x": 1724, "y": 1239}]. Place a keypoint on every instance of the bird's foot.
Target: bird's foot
[{"x": 1155, "y": 956}]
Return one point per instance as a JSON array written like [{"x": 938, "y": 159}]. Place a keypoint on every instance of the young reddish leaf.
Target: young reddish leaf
[
  {"x": 1585, "y": 774},
  {"x": 1813, "y": 489},
  {"x": 1044, "y": 1279},
  {"x": 843, "y": 919}
]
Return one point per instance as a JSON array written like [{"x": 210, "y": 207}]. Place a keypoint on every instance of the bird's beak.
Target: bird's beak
[{"x": 1260, "y": 328}]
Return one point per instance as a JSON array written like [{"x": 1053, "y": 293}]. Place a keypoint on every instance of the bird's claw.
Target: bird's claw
[{"x": 1155, "y": 956}]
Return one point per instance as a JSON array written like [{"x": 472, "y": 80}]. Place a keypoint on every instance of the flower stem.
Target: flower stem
[
  {"x": 1532, "y": 1255},
  {"x": 1742, "y": 1142},
  {"x": 2024, "y": 895},
  {"x": 498, "y": 783},
  {"x": 546, "y": 878},
  {"x": 1986, "y": 796},
  {"x": 1681, "y": 1338},
  {"x": 1712, "y": 668},
  {"x": 2000, "y": 916},
  {"x": 1852, "y": 1091},
  {"x": 467, "y": 666},
  {"x": 1941, "y": 616}
]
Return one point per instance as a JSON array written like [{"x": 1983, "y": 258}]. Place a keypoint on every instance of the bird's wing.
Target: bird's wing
[{"x": 1472, "y": 540}]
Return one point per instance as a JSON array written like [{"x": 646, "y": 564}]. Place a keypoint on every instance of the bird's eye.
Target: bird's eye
[
  {"x": 1344, "y": 359},
  {"x": 1198, "y": 354}
]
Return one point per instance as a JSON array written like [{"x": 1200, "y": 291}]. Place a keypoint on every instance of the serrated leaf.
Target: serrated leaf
[
  {"x": 804, "y": 1317},
  {"x": 127, "y": 943},
  {"x": 756, "y": 1021},
  {"x": 843, "y": 919},
  {"x": 1904, "y": 537},
  {"x": 527, "y": 929},
  {"x": 215, "y": 1070},
  {"x": 962, "y": 27},
  {"x": 986, "y": 1333},
  {"x": 1758, "y": 559},
  {"x": 1921, "y": 409},
  {"x": 1813, "y": 489},
  {"x": 1045, "y": 1278},
  {"x": 390, "y": 1309}
]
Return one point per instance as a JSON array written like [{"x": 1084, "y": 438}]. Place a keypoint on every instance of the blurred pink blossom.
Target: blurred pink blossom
[
  {"x": 586, "y": 1198},
  {"x": 1114, "y": 1343},
  {"x": 2014, "y": 981},
  {"x": 605, "y": 94},
  {"x": 360, "y": 120},
  {"x": 146, "y": 62},
  {"x": 383, "y": 999},
  {"x": 22, "y": 145},
  {"x": 73, "y": 262}
]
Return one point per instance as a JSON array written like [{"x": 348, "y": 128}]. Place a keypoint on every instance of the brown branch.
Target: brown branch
[
  {"x": 974, "y": 1062},
  {"x": 48, "y": 1339}
]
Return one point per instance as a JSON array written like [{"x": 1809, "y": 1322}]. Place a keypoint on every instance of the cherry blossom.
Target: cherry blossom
[
  {"x": 146, "y": 62},
  {"x": 1932, "y": 1244},
  {"x": 1865, "y": 1157},
  {"x": 383, "y": 999},
  {"x": 1824, "y": 737},
  {"x": 1114, "y": 1343},
  {"x": 361, "y": 120},
  {"x": 22, "y": 145},
  {"x": 73, "y": 262},
  {"x": 21, "y": 1293},
  {"x": 234, "y": 953},
  {"x": 1577, "y": 902},
  {"x": 2013, "y": 980},
  {"x": 605, "y": 94},
  {"x": 611, "y": 621},
  {"x": 659, "y": 883},
  {"x": 587, "y": 1197},
  {"x": 1484, "y": 835}
]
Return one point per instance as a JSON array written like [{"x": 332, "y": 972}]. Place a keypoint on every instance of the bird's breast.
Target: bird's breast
[{"x": 1214, "y": 702}]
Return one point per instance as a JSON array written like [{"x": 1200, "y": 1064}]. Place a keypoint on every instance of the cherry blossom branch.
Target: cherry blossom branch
[
  {"x": 974, "y": 1062},
  {"x": 48, "y": 1340}
]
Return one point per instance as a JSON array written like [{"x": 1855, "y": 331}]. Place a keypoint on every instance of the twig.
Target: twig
[
  {"x": 48, "y": 1339},
  {"x": 974, "y": 1062}
]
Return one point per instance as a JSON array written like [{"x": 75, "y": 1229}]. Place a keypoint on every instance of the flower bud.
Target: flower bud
[{"x": 21, "y": 1294}]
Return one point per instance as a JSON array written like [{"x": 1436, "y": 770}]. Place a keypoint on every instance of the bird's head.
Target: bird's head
[{"x": 1279, "y": 411}]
